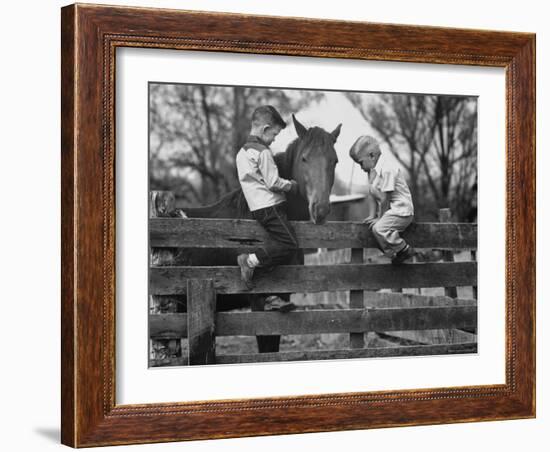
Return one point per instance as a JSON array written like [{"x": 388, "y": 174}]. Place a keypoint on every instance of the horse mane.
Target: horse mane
[{"x": 284, "y": 160}]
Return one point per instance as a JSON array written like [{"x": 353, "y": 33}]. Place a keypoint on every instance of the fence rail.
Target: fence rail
[
  {"x": 215, "y": 233},
  {"x": 323, "y": 321},
  {"x": 317, "y": 278},
  {"x": 386, "y": 352}
]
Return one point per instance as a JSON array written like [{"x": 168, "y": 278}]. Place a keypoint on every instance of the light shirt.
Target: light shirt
[
  {"x": 389, "y": 179},
  {"x": 259, "y": 176}
]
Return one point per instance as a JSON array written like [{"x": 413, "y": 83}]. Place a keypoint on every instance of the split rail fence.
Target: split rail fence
[{"x": 441, "y": 324}]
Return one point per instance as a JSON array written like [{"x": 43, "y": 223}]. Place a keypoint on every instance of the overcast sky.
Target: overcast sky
[{"x": 334, "y": 109}]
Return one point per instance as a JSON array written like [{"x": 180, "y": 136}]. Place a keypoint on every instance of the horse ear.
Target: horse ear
[
  {"x": 336, "y": 132},
  {"x": 300, "y": 129}
]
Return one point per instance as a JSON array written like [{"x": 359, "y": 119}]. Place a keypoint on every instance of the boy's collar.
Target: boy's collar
[
  {"x": 256, "y": 139},
  {"x": 379, "y": 164}
]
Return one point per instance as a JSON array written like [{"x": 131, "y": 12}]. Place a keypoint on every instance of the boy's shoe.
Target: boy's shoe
[
  {"x": 246, "y": 270},
  {"x": 275, "y": 303},
  {"x": 403, "y": 255}
]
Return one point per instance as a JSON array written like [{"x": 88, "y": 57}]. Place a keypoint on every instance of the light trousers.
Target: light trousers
[{"x": 386, "y": 232}]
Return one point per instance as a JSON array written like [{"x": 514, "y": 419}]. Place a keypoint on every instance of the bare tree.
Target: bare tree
[
  {"x": 196, "y": 131},
  {"x": 184, "y": 121},
  {"x": 434, "y": 138}
]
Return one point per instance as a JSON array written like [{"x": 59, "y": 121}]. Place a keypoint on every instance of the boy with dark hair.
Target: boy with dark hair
[{"x": 264, "y": 191}]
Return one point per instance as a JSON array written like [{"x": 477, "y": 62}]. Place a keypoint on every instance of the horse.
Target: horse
[{"x": 310, "y": 160}]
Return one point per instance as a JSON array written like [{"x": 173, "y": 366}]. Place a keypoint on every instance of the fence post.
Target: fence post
[
  {"x": 473, "y": 256},
  {"x": 161, "y": 204},
  {"x": 356, "y": 300},
  {"x": 201, "y": 316},
  {"x": 445, "y": 217}
]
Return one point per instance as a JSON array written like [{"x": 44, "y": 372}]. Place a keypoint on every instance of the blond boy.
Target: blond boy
[{"x": 393, "y": 207}]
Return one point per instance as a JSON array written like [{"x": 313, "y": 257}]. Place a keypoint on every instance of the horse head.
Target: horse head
[{"x": 313, "y": 165}]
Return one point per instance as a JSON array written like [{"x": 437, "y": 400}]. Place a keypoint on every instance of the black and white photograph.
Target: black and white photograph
[
  {"x": 290, "y": 224},
  {"x": 242, "y": 226}
]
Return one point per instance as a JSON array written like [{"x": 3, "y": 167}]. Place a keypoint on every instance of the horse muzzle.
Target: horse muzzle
[{"x": 318, "y": 212}]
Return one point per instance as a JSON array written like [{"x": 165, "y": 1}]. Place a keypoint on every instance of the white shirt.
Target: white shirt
[
  {"x": 389, "y": 179},
  {"x": 259, "y": 177}
]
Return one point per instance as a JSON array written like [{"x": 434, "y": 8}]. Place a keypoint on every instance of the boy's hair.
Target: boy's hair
[
  {"x": 267, "y": 114},
  {"x": 364, "y": 142}
]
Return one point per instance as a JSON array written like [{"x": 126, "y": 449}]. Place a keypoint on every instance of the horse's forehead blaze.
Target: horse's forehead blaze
[{"x": 317, "y": 172}]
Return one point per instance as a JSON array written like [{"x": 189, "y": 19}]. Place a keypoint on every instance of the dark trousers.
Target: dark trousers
[{"x": 283, "y": 244}]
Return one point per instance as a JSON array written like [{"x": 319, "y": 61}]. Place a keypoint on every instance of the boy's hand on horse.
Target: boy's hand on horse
[{"x": 293, "y": 187}]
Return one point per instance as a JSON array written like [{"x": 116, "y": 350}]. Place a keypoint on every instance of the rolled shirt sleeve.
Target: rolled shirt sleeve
[
  {"x": 270, "y": 173},
  {"x": 387, "y": 180}
]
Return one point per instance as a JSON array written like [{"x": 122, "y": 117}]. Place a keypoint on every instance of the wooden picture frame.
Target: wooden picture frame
[{"x": 90, "y": 36}]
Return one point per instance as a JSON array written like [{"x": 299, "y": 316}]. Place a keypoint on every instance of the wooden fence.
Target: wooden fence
[{"x": 391, "y": 315}]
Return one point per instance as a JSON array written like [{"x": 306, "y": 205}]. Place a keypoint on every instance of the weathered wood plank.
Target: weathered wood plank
[
  {"x": 383, "y": 352},
  {"x": 404, "y": 300},
  {"x": 168, "y": 362},
  {"x": 325, "y": 321},
  {"x": 229, "y": 233},
  {"x": 161, "y": 204},
  {"x": 318, "y": 278},
  {"x": 201, "y": 311},
  {"x": 473, "y": 256},
  {"x": 433, "y": 336},
  {"x": 349, "y": 320},
  {"x": 387, "y": 300},
  {"x": 167, "y": 326},
  {"x": 448, "y": 256},
  {"x": 356, "y": 340}
]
